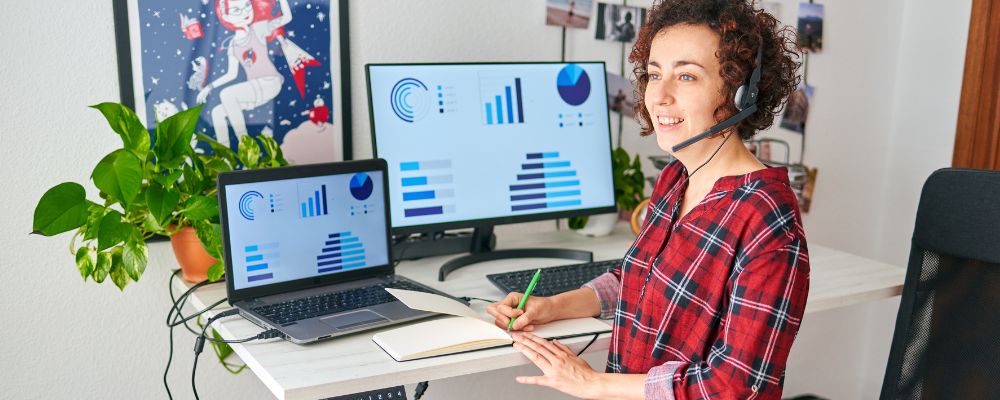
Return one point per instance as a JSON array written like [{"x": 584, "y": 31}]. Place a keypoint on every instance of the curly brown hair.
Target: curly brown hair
[{"x": 742, "y": 29}]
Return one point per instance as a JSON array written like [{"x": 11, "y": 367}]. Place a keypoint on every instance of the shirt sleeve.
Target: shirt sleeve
[
  {"x": 607, "y": 286},
  {"x": 767, "y": 297}
]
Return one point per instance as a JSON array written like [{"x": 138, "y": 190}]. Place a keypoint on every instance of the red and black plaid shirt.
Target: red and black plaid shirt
[{"x": 708, "y": 306}]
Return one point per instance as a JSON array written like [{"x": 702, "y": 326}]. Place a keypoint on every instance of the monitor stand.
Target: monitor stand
[{"x": 483, "y": 242}]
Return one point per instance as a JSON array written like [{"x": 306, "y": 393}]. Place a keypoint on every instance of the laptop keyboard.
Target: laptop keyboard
[{"x": 332, "y": 303}]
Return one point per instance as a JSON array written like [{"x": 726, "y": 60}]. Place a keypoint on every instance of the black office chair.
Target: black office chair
[{"x": 946, "y": 343}]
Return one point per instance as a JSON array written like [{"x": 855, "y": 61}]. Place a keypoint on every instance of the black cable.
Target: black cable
[
  {"x": 467, "y": 298},
  {"x": 199, "y": 343},
  {"x": 421, "y": 388},
  {"x": 588, "y": 344},
  {"x": 175, "y": 318}
]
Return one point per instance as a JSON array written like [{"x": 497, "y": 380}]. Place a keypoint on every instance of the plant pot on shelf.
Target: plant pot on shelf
[
  {"x": 191, "y": 255},
  {"x": 599, "y": 225}
]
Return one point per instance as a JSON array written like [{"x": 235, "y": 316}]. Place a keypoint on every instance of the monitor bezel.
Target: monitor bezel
[
  {"x": 294, "y": 172},
  {"x": 486, "y": 222}
]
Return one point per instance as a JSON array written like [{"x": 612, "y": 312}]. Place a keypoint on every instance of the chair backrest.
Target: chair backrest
[{"x": 946, "y": 343}]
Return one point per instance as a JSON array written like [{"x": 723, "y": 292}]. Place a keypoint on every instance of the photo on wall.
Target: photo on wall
[
  {"x": 568, "y": 13},
  {"x": 261, "y": 67},
  {"x": 621, "y": 96},
  {"x": 811, "y": 27},
  {"x": 618, "y": 23},
  {"x": 797, "y": 109}
]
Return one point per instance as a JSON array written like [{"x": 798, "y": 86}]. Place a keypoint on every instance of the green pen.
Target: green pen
[{"x": 527, "y": 293}]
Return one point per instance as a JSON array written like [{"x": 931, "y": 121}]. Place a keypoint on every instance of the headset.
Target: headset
[{"x": 745, "y": 101}]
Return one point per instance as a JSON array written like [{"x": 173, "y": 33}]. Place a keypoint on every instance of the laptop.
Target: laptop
[{"x": 307, "y": 249}]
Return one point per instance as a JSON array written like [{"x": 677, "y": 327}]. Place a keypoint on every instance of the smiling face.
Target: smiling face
[
  {"x": 684, "y": 88},
  {"x": 238, "y": 13}
]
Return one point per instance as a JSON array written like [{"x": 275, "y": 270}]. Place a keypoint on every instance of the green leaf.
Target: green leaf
[
  {"x": 168, "y": 180},
  {"x": 216, "y": 271},
  {"x": 210, "y": 236},
  {"x": 150, "y": 224},
  {"x": 119, "y": 175},
  {"x": 578, "y": 222},
  {"x": 94, "y": 215},
  {"x": 103, "y": 266},
  {"x": 198, "y": 208},
  {"x": 61, "y": 209},
  {"x": 220, "y": 149},
  {"x": 135, "y": 136},
  {"x": 273, "y": 154},
  {"x": 161, "y": 202},
  {"x": 112, "y": 231},
  {"x": 173, "y": 137},
  {"x": 193, "y": 180},
  {"x": 135, "y": 257},
  {"x": 118, "y": 274},
  {"x": 84, "y": 262},
  {"x": 248, "y": 152}
]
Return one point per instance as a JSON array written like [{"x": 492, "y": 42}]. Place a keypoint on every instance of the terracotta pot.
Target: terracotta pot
[{"x": 191, "y": 255}]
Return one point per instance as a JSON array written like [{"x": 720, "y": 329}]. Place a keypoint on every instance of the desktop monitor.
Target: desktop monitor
[{"x": 472, "y": 145}]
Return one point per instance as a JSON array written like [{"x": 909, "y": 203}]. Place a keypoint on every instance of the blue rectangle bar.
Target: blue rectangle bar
[
  {"x": 560, "y": 174},
  {"x": 416, "y": 212},
  {"x": 499, "y": 110},
  {"x": 325, "y": 209},
  {"x": 415, "y": 181},
  {"x": 346, "y": 246},
  {"x": 260, "y": 277},
  {"x": 338, "y": 234},
  {"x": 353, "y": 252},
  {"x": 256, "y": 267},
  {"x": 427, "y": 194},
  {"x": 311, "y": 211},
  {"x": 355, "y": 265},
  {"x": 562, "y": 184},
  {"x": 531, "y": 166},
  {"x": 319, "y": 204},
  {"x": 522, "y": 177},
  {"x": 257, "y": 257},
  {"x": 250, "y": 248},
  {"x": 409, "y": 166},
  {"x": 527, "y": 196},
  {"x": 522, "y": 207},
  {"x": 331, "y": 269},
  {"x": 489, "y": 114},
  {"x": 528, "y": 186},
  {"x": 566, "y": 203},
  {"x": 330, "y": 262},
  {"x": 303, "y": 210},
  {"x": 556, "y": 164},
  {"x": 520, "y": 108},
  {"x": 551, "y": 154},
  {"x": 510, "y": 108},
  {"x": 563, "y": 193},
  {"x": 352, "y": 259}
]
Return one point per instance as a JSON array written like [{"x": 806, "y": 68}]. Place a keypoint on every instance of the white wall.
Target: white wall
[{"x": 873, "y": 134}]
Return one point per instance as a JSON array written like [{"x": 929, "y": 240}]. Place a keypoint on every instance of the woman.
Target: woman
[
  {"x": 710, "y": 296},
  {"x": 254, "y": 26}
]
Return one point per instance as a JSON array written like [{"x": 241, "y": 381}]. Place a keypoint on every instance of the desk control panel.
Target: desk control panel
[{"x": 391, "y": 393}]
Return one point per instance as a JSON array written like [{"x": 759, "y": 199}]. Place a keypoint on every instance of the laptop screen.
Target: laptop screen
[{"x": 290, "y": 229}]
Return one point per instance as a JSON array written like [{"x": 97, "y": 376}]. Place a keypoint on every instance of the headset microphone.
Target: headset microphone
[{"x": 745, "y": 101}]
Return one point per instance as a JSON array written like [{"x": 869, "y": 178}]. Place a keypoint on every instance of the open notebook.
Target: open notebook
[{"x": 464, "y": 332}]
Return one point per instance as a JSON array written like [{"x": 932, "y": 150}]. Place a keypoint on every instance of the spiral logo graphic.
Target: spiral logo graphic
[
  {"x": 409, "y": 99},
  {"x": 245, "y": 209}
]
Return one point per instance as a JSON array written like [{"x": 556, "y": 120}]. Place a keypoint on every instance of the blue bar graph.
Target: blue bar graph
[
  {"x": 345, "y": 248},
  {"x": 256, "y": 260},
  {"x": 315, "y": 204},
  {"x": 499, "y": 110}
]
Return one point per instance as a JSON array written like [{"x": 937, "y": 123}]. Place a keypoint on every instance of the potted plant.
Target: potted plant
[
  {"x": 149, "y": 186},
  {"x": 629, "y": 182}
]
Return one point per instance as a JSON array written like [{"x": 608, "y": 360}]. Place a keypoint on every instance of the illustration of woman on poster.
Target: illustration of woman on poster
[{"x": 254, "y": 25}]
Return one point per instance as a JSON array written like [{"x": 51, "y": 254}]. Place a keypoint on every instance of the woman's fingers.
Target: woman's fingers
[{"x": 541, "y": 347}]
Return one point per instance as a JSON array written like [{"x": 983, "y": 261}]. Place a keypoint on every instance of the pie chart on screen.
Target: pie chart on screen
[
  {"x": 573, "y": 84},
  {"x": 361, "y": 186}
]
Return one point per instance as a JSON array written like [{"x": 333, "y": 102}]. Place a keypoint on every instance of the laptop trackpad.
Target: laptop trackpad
[{"x": 354, "y": 319}]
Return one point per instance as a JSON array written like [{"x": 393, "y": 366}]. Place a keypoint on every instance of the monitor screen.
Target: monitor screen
[
  {"x": 290, "y": 229},
  {"x": 473, "y": 144}
]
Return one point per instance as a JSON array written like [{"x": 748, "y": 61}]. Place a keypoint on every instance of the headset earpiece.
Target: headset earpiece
[{"x": 738, "y": 100}]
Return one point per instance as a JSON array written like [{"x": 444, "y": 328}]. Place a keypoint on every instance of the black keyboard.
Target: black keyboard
[
  {"x": 554, "y": 280},
  {"x": 331, "y": 303}
]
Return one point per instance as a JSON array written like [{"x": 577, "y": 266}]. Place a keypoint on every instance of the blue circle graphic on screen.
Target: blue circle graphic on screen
[
  {"x": 361, "y": 186},
  {"x": 573, "y": 84},
  {"x": 409, "y": 99},
  {"x": 246, "y": 200}
]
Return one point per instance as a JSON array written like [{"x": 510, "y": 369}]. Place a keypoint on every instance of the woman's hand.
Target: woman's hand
[
  {"x": 563, "y": 370},
  {"x": 537, "y": 311},
  {"x": 203, "y": 94}
]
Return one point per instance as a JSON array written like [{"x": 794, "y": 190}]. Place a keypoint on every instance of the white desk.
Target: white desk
[{"x": 355, "y": 364}]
